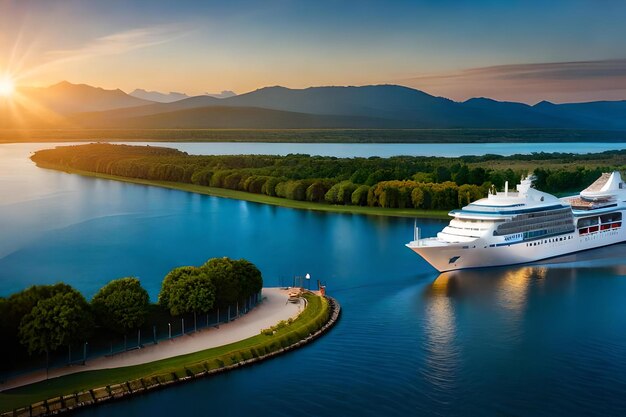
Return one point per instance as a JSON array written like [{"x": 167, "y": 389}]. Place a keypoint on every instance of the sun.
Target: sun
[{"x": 7, "y": 87}]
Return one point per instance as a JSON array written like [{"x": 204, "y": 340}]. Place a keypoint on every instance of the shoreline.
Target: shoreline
[
  {"x": 155, "y": 375},
  {"x": 314, "y": 135},
  {"x": 259, "y": 198}
]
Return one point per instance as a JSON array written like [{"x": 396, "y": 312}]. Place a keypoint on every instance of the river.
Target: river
[{"x": 543, "y": 339}]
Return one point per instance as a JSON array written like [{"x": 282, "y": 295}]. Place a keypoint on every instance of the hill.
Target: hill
[
  {"x": 66, "y": 98},
  {"x": 367, "y": 107}
]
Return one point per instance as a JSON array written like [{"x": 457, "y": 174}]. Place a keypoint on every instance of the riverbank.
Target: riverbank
[
  {"x": 84, "y": 388},
  {"x": 314, "y": 135},
  {"x": 260, "y": 198}
]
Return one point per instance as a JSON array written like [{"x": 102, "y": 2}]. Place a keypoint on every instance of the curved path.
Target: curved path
[{"x": 272, "y": 310}]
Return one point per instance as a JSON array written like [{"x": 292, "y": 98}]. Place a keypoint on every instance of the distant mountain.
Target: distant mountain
[
  {"x": 516, "y": 114},
  {"x": 118, "y": 118},
  {"x": 225, "y": 117},
  {"x": 223, "y": 94},
  {"x": 157, "y": 96},
  {"x": 392, "y": 106},
  {"x": 375, "y": 106},
  {"x": 66, "y": 98},
  {"x": 608, "y": 115}
]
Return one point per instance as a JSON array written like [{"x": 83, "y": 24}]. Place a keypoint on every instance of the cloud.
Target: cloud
[
  {"x": 118, "y": 43},
  {"x": 575, "y": 70},
  {"x": 558, "y": 81}
]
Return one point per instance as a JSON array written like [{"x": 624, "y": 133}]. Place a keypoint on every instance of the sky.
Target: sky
[{"x": 528, "y": 51}]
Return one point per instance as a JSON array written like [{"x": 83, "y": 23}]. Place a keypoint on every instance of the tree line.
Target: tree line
[
  {"x": 43, "y": 318},
  {"x": 395, "y": 182}
]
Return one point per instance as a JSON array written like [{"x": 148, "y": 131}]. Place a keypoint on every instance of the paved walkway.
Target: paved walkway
[{"x": 273, "y": 309}]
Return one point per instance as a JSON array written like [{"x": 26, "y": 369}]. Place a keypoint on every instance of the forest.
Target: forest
[{"x": 397, "y": 182}]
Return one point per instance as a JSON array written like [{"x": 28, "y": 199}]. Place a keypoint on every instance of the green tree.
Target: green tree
[
  {"x": 315, "y": 192},
  {"x": 249, "y": 276},
  {"x": 269, "y": 188},
  {"x": 222, "y": 275},
  {"x": 202, "y": 177},
  {"x": 331, "y": 194},
  {"x": 121, "y": 305},
  {"x": 462, "y": 175},
  {"x": 20, "y": 304},
  {"x": 359, "y": 196},
  {"x": 170, "y": 280},
  {"x": 477, "y": 176},
  {"x": 344, "y": 193},
  {"x": 55, "y": 321},
  {"x": 442, "y": 174},
  {"x": 193, "y": 293}
]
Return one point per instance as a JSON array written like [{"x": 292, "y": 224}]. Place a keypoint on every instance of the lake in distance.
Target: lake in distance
[{"x": 533, "y": 340}]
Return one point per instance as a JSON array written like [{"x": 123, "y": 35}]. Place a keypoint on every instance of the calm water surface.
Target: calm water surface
[
  {"x": 533, "y": 340},
  {"x": 393, "y": 149}
]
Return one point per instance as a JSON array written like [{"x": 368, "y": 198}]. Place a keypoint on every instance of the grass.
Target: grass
[
  {"x": 312, "y": 318},
  {"x": 263, "y": 199}
]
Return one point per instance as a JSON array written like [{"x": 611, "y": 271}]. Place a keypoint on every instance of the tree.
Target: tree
[
  {"x": 359, "y": 176},
  {"x": 20, "y": 304},
  {"x": 477, "y": 176},
  {"x": 249, "y": 276},
  {"x": 121, "y": 305},
  {"x": 222, "y": 275},
  {"x": 331, "y": 194},
  {"x": 315, "y": 192},
  {"x": 193, "y": 293},
  {"x": 462, "y": 175},
  {"x": 442, "y": 174},
  {"x": 417, "y": 197},
  {"x": 296, "y": 190},
  {"x": 344, "y": 193},
  {"x": 269, "y": 188},
  {"x": 232, "y": 181},
  {"x": 202, "y": 177},
  {"x": 58, "y": 320},
  {"x": 170, "y": 280},
  {"x": 359, "y": 196}
]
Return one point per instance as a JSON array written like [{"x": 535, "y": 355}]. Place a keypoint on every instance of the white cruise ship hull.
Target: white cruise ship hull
[{"x": 479, "y": 254}]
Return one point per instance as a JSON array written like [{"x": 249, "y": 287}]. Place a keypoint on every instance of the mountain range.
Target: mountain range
[{"x": 374, "y": 106}]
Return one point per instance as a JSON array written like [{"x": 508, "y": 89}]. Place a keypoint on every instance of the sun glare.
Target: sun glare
[{"x": 6, "y": 87}]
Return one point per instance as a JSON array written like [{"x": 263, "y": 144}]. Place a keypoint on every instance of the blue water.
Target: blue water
[
  {"x": 393, "y": 149},
  {"x": 381, "y": 149},
  {"x": 532, "y": 340}
]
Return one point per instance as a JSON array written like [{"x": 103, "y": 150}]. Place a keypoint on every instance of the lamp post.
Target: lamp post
[
  {"x": 169, "y": 328},
  {"x": 84, "y": 353},
  {"x": 308, "y": 281}
]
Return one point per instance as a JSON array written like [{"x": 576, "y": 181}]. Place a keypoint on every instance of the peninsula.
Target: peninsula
[{"x": 397, "y": 186}]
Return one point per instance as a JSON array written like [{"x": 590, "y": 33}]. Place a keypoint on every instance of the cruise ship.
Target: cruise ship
[{"x": 528, "y": 225}]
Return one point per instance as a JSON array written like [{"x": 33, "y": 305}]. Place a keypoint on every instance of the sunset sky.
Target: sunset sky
[{"x": 508, "y": 50}]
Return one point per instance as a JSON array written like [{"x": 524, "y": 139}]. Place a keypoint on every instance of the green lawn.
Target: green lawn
[
  {"x": 264, "y": 199},
  {"x": 312, "y": 318}
]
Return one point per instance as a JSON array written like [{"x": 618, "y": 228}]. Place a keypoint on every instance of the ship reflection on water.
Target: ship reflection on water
[
  {"x": 511, "y": 283},
  {"x": 491, "y": 316}
]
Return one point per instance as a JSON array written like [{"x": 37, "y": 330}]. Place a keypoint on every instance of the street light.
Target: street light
[
  {"x": 169, "y": 328},
  {"x": 308, "y": 281}
]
